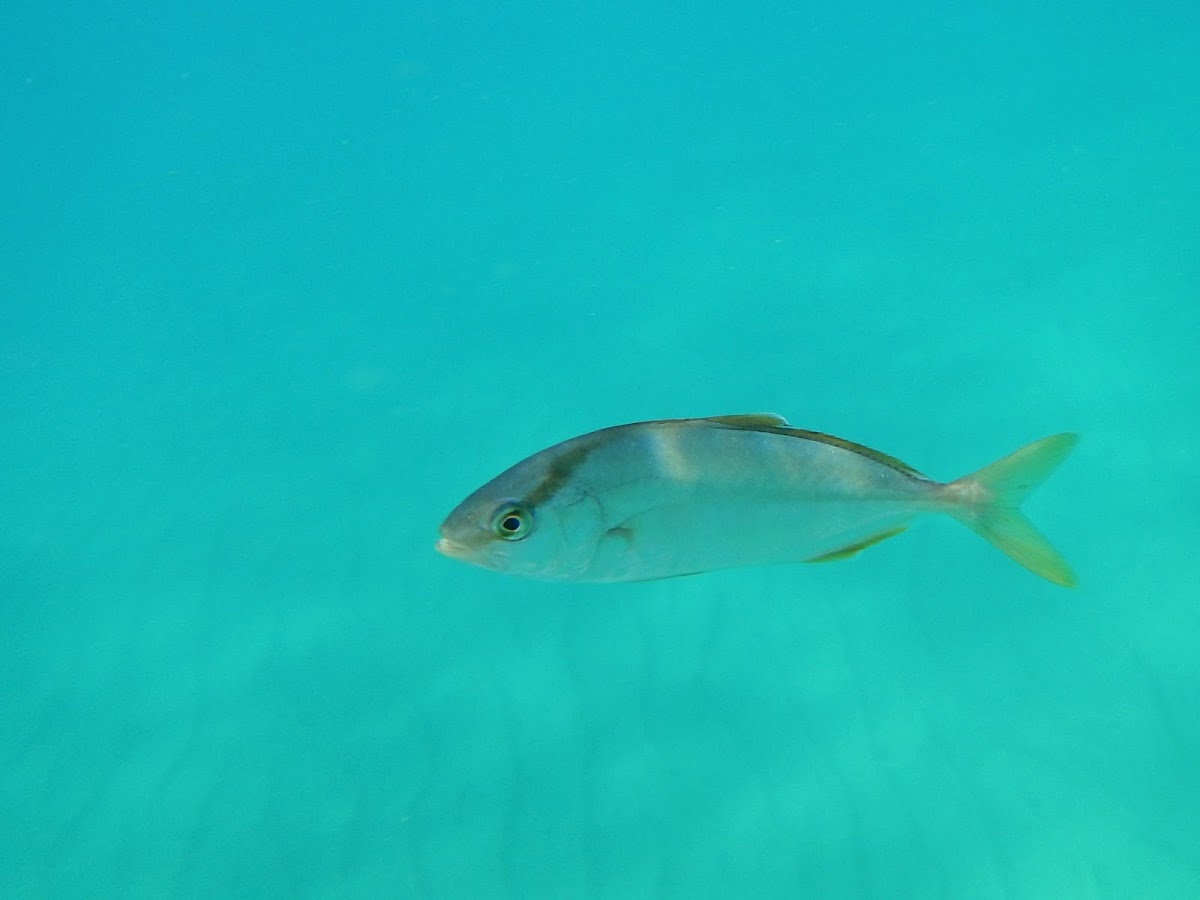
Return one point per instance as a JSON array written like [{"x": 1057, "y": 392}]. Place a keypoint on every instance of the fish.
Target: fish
[{"x": 676, "y": 497}]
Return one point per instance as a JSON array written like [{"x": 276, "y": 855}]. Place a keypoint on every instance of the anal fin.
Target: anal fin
[{"x": 857, "y": 546}]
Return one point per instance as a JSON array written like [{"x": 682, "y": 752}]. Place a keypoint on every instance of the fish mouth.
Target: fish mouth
[{"x": 447, "y": 547}]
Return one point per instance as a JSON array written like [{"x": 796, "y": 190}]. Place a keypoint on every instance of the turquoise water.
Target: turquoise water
[{"x": 281, "y": 284}]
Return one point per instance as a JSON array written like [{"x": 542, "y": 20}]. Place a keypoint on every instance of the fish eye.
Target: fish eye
[{"x": 512, "y": 522}]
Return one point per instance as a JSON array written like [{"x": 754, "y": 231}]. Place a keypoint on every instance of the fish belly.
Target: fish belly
[{"x": 690, "y": 537}]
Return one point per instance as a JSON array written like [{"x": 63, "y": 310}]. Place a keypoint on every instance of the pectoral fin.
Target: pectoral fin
[{"x": 849, "y": 551}]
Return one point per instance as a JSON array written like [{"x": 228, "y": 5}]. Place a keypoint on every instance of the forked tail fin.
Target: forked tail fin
[{"x": 989, "y": 501}]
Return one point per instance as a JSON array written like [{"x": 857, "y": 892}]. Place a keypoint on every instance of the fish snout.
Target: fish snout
[{"x": 447, "y": 547}]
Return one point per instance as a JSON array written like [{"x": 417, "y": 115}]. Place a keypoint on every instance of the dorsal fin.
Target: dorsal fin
[
  {"x": 890, "y": 461},
  {"x": 779, "y": 425},
  {"x": 751, "y": 420}
]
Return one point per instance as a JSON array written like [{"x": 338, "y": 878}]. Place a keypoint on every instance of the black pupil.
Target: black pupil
[{"x": 511, "y": 524}]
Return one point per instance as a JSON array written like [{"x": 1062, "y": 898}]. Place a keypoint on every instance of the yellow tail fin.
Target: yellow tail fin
[{"x": 989, "y": 503}]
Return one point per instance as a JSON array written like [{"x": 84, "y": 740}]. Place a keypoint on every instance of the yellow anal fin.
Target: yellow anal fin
[{"x": 847, "y": 552}]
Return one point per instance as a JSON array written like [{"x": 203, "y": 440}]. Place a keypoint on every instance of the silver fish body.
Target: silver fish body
[{"x": 676, "y": 497}]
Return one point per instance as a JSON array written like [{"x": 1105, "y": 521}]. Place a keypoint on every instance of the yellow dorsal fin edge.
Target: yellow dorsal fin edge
[{"x": 752, "y": 420}]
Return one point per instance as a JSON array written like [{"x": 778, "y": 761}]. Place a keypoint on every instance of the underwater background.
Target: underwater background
[{"x": 280, "y": 284}]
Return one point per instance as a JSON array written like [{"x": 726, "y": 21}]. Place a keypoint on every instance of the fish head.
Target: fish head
[{"x": 534, "y": 520}]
